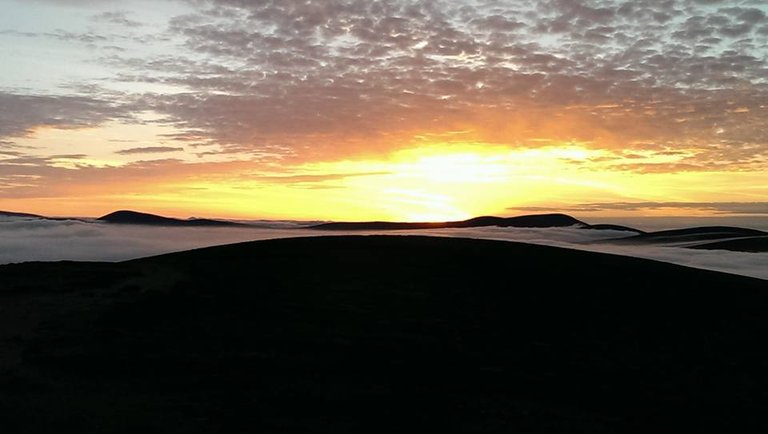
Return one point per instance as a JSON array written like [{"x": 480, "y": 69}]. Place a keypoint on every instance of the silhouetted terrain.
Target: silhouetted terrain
[
  {"x": 526, "y": 221},
  {"x": 690, "y": 235},
  {"x": 707, "y": 237},
  {"x": 610, "y": 227},
  {"x": 749, "y": 244},
  {"x": 381, "y": 335},
  {"x": 19, "y": 214},
  {"x": 140, "y": 218}
]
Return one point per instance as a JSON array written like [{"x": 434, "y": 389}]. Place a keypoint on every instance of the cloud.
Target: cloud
[
  {"x": 304, "y": 181},
  {"x": 714, "y": 207},
  {"x": 301, "y": 81},
  {"x": 321, "y": 78},
  {"x": 39, "y": 240},
  {"x": 23, "y": 239},
  {"x": 117, "y": 17},
  {"x": 21, "y": 114},
  {"x": 149, "y": 150},
  {"x": 41, "y": 177},
  {"x": 79, "y": 3}
]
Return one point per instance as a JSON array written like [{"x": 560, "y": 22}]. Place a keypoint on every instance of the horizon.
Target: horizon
[
  {"x": 578, "y": 214},
  {"x": 649, "y": 223},
  {"x": 398, "y": 110},
  {"x": 34, "y": 240},
  {"x": 410, "y": 215}
]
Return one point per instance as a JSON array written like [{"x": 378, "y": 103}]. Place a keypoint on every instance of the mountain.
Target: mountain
[
  {"x": 690, "y": 235},
  {"x": 381, "y": 334},
  {"x": 610, "y": 227},
  {"x": 140, "y": 218},
  {"x": 747, "y": 244},
  {"x": 526, "y": 221},
  {"x": 19, "y": 214}
]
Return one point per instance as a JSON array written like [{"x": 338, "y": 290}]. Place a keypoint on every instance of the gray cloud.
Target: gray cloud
[
  {"x": 117, "y": 17},
  {"x": 308, "y": 79},
  {"x": 296, "y": 77},
  {"x": 19, "y": 114},
  {"x": 82, "y": 3}
]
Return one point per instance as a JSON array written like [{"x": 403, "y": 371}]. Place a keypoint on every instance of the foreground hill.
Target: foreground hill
[{"x": 381, "y": 335}]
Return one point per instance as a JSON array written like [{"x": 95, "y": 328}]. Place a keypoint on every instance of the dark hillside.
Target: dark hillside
[{"x": 382, "y": 335}]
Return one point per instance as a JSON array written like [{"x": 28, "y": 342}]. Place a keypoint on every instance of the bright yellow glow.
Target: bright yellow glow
[
  {"x": 452, "y": 182},
  {"x": 426, "y": 182}
]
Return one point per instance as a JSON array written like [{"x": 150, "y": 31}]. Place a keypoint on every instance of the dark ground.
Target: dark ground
[{"x": 381, "y": 335}]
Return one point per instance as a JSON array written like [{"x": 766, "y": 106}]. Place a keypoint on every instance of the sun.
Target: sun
[
  {"x": 452, "y": 181},
  {"x": 457, "y": 168}
]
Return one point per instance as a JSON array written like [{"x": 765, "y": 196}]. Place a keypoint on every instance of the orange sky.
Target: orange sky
[{"x": 352, "y": 110}]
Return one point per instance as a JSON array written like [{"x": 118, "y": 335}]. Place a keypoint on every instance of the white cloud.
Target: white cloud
[{"x": 40, "y": 240}]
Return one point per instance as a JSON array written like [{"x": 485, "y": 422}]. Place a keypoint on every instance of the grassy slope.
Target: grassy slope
[{"x": 384, "y": 334}]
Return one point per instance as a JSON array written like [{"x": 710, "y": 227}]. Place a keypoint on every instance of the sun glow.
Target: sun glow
[
  {"x": 451, "y": 182},
  {"x": 435, "y": 181}
]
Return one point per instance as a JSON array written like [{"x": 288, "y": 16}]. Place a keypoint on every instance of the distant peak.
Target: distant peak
[
  {"x": 129, "y": 214},
  {"x": 19, "y": 214},
  {"x": 525, "y": 221},
  {"x": 142, "y": 218}
]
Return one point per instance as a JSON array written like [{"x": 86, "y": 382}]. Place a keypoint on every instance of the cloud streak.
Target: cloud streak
[
  {"x": 716, "y": 207},
  {"x": 149, "y": 150}
]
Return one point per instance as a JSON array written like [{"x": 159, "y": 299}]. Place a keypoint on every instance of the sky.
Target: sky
[{"x": 391, "y": 110}]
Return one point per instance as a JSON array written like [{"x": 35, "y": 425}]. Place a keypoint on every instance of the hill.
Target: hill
[
  {"x": 18, "y": 214},
  {"x": 747, "y": 244},
  {"x": 381, "y": 334},
  {"x": 140, "y": 218},
  {"x": 526, "y": 221},
  {"x": 688, "y": 235}
]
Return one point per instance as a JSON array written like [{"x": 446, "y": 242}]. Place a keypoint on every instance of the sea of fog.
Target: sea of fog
[{"x": 28, "y": 239}]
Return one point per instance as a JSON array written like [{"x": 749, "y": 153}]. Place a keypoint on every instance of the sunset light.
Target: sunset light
[
  {"x": 395, "y": 216},
  {"x": 414, "y": 111}
]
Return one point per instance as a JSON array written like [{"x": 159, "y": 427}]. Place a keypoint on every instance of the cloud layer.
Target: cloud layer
[
  {"x": 758, "y": 208},
  {"x": 23, "y": 239},
  {"x": 317, "y": 78},
  {"x": 636, "y": 75}
]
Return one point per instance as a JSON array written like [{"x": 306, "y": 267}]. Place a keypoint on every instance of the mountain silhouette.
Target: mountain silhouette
[
  {"x": 381, "y": 334},
  {"x": 611, "y": 227},
  {"x": 19, "y": 214},
  {"x": 140, "y": 218},
  {"x": 747, "y": 244},
  {"x": 690, "y": 235},
  {"x": 526, "y": 221}
]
